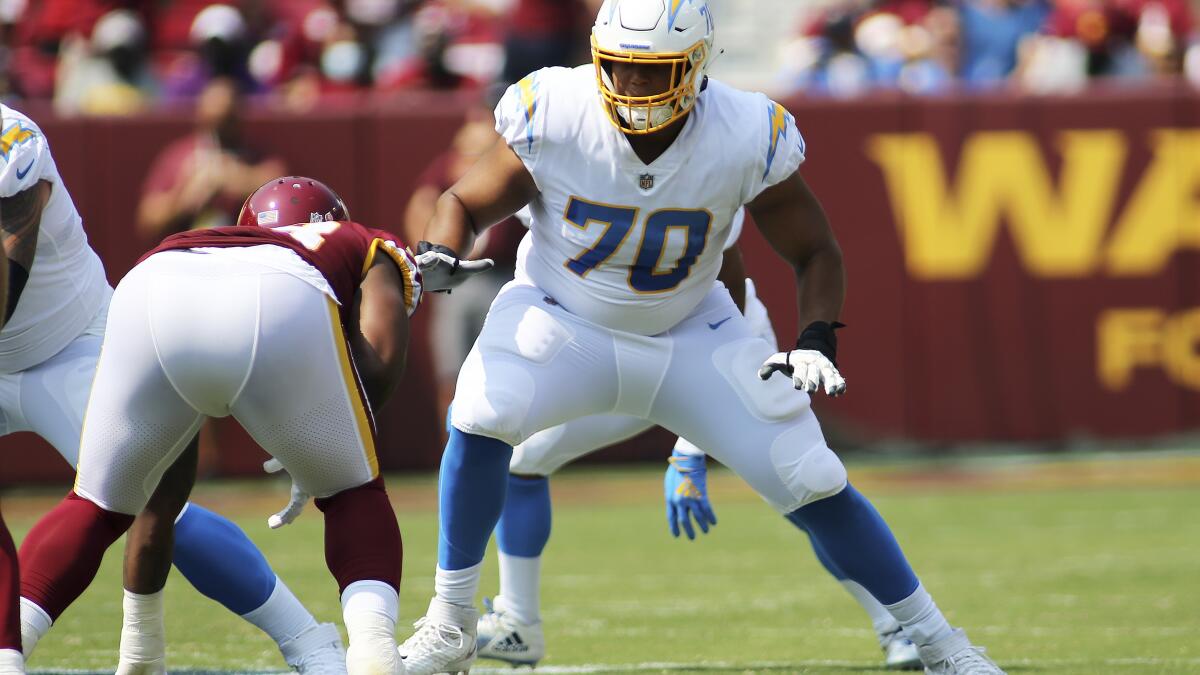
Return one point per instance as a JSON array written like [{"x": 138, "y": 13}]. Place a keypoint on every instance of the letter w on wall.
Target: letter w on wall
[{"x": 949, "y": 231}]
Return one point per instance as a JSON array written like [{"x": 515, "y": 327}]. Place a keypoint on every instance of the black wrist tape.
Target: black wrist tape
[{"x": 819, "y": 336}]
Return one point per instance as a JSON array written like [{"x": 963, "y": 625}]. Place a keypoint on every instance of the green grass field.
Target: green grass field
[{"x": 1078, "y": 566}]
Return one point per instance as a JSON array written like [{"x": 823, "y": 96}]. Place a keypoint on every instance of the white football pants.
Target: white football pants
[
  {"x": 49, "y": 398},
  {"x": 197, "y": 335},
  {"x": 536, "y": 366}
]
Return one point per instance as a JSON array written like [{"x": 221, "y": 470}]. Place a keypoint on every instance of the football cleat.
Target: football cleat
[
  {"x": 11, "y": 662},
  {"x": 955, "y": 655},
  {"x": 316, "y": 651},
  {"x": 502, "y": 637},
  {"x": 155, "y": 667},
  {"x": 899, "y": 653},
  {"x": 444, "y": 641}
]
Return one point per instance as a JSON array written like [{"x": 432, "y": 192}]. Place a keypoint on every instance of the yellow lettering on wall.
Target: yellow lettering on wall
[
  {"x": 949, "y": 232},
  {"x": 1163, "y": 214},
  {"x": 1182, "y": 335},
  {"x": 1127, "y": 339}
]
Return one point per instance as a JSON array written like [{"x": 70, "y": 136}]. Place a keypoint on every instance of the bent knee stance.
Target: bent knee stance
[
  {"x": 493, "y": 402},
  {"x": 809, "y": 472}
]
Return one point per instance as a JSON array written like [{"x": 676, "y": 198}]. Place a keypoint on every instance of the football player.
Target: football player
[
  {"x": 511, "y": 630},
  {"x": 57, "y": 306},
  {"x": 633, "y": 167},
  {"x": 293, "y": 322}
]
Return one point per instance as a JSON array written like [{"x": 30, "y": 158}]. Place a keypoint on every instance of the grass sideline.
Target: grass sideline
[{"x": 1061, "y": 565}]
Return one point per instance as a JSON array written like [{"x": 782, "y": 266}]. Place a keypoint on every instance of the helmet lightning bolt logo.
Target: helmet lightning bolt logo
[
  {"x": 14, "y": 136},
  {"x": 780, "y": 119},
  {"x": 676, "y": 5},
  {"x": 528, "y": 89}
]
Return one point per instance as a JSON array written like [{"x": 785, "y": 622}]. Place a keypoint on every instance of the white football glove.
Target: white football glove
[
  {"x": 809, "y": 368},
  {"x": 442, "y": 270},
  {"x": 294, "y": 506}
]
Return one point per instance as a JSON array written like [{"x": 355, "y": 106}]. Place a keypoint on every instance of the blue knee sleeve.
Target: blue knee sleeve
[
  {"x": 217, "y": 558},
  {"x": 524, "y": 525},
  {"x": 858, "y": 543},
  {"x": 822, "y": 555},
  {"x": 471, "y": 489}
]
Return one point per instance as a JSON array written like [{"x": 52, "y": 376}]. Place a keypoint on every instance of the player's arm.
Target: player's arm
[
  {"x": 496, "y": 187},
  {"x": 378, "y": 330},
  {"x": 20, "y": 221},
  {"x": 793, "y": 222},
  {"x": 733, "y": 275}
]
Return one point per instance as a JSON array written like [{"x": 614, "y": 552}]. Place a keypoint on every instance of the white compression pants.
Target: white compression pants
[
  {"x": 49, "y": 398},
  {"x": 536, "y": 366},
  {"x": 197, "y": 335}
]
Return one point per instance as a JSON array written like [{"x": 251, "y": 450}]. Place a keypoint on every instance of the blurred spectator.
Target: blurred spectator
[
  {"x": 202, "y": 179},
  {"x": 458, "y": 317},
  {"x": 991, "y": 33},
  {"x": 108, "y": 74},
  {"x": 220, "y": 46},
  {"x": 437, "y": 28},
  {"x": 545, "y": 33}
]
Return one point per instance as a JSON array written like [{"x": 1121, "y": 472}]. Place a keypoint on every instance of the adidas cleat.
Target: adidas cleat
[
  {"x": 316, "y": 651},
  {"x": 899, "y": 653},
  {"x": 502, "y": 637}
]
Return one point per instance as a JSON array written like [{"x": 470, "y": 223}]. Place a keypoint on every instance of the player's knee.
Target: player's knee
[
  {"x": 534, "y": 457},
  {"x": 810, "y": 472},
  {"x": 493, "y": 401}
]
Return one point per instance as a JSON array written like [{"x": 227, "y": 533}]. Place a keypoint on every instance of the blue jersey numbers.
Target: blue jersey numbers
[{"x": 649, "y": 273}]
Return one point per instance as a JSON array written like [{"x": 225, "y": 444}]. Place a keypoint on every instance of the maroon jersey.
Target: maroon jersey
[{"x": 341, "y": 251}]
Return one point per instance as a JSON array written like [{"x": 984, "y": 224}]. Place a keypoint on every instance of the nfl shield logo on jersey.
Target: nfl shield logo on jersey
[{"x": 646, "y": 181}]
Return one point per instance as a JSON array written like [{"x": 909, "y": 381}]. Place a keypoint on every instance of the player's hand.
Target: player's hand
[
  {"x": 442, "y": 270},
  {"x": 686, "y": 488},
  {"x": 811, "y": 364},
  {"x": 294, "y": 506}
]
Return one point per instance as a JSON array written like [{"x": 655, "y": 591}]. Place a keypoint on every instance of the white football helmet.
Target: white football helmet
[{"x": 678, "y": 33}]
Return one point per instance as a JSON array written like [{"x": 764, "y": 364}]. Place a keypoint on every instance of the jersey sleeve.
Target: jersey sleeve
[
  {"x": 521, "y": 117},
  {"x": 24, "y": 156},
  {"x": 780, "y": 146},
  {"x": 389, "y": 245}
]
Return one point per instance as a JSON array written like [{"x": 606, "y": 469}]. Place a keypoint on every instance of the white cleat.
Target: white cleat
[
  {"x": 11, "y": 662},
  {"x": 316, "y": 651},
  {"x": 503, "y": 638},
  {"x": 155, "y": 667},
  {"x": 371, "y": 653},
  {"x": 444, "y": 641},
  {"x": 955, "y": 655},
  {"x": 899, "y": 653}
]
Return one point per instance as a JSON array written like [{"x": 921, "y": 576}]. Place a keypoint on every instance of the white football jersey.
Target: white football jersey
[
  {"x": 67, "y": 286},
  {"x": 631, "y": 246}
]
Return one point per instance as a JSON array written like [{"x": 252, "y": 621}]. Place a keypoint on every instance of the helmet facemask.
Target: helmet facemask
[{"x": 637, "y": 115}]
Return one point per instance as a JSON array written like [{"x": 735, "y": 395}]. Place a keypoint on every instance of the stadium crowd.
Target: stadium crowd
[
  {"x": 121, "y": 56},
  {"x": 1042, "y": 46}
]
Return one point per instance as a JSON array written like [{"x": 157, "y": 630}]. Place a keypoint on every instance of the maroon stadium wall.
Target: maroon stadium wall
[{"x": 1020, "y": 269}]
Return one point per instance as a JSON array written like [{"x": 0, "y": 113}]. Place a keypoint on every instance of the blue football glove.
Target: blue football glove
[{"x": 686, "y": 488}]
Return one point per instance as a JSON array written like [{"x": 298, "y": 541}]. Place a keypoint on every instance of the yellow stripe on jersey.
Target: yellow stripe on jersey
[
  {"x": 412, "y": 293},
  {"x": 350, "y": 378}
]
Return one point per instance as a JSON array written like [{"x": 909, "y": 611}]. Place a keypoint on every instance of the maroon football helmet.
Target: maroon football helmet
[{"x": 290, "y": 200}]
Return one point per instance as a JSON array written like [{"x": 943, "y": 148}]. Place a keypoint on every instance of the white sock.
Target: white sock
[
  {"x": 922, "y": 620},
  {"x": 881, "y": 618},
  {"x": 35, "y": 623},
  {"x": 520, "y": 586},
  {"x": 458, "y": 587},
  {"x": 370, "y": 606},
  {"x": 11, "y": 662},
  {"x": 281, "y": 616},
  {"x": 143, "y": 634}
]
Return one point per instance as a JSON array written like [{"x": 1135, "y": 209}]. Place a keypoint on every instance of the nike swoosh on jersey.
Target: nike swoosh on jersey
[
  {"x": 21, "y": 174},
  {"x": 714, "y": 326}
]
